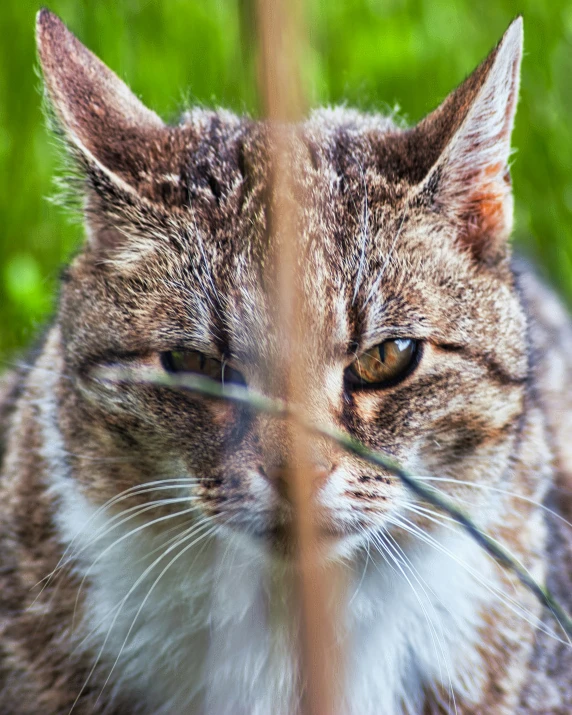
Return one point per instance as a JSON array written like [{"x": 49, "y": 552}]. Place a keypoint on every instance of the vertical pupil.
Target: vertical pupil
[{"x": 386, "y": 361}]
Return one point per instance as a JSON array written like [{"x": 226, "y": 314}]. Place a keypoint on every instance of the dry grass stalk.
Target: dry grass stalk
[{"x": 281, "y": 41}]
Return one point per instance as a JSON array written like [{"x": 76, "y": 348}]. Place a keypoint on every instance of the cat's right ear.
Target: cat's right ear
[{"x": 103, "y": 122}]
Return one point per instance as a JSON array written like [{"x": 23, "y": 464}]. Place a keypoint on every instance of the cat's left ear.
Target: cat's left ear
[{"x": 469, "y": 181}]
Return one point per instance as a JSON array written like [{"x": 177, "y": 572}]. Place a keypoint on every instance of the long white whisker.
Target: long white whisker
[
  {"x": 498, "y": 490},
  {"x": 425, "y": 587},
  {"x": 447, "y": 522},
  {"x": 513, "y": 606},
  {"x": 119, "y": 608},
  {"x": 367, "y": 559},
  {"x": 126, "y": 494},
  {"x": 128, "y": 535},
  {"x": 201, "y": 537},
  {"x": 186, "y": 530},
  {"x": 114, "y": 523},
  {"x": 401, "y": 560},
  {"x": 123, "y": 517}
]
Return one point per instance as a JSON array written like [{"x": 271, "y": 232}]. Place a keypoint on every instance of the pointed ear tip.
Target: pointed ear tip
[
  {"x": 45, "y": 19},
  {"x": 515, "y": 32},
  {"x": 51, "y": 33},
  {"x": 42, "y": 16},
  {"x": 46, "y": 23}
]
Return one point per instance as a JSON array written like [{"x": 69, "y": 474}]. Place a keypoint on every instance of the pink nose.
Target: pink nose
[{"x": 281, "y": 477}]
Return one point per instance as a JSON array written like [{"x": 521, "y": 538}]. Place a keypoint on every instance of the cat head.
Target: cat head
[{"x": 415, "y": 341}]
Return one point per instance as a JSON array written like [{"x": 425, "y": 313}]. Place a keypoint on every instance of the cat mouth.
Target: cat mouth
[
  {"x": 285, "y": 537},
  {"x": 278, "y": 531}
]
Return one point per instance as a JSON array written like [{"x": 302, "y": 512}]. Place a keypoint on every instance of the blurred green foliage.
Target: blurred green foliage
[{"x": 377, "y": 54}]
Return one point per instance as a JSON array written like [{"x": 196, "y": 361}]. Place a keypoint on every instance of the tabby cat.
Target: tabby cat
[{"x": 142, "y": 563}]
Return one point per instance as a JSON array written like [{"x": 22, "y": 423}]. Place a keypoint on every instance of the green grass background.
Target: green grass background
[{"x": 372, "y": 53}]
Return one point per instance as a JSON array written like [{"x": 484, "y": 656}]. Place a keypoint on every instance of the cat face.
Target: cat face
[{"x": 414, "y": 338}]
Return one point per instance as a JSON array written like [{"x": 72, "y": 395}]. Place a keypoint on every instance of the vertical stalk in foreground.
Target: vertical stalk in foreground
[{"x": 281, "y": 40}]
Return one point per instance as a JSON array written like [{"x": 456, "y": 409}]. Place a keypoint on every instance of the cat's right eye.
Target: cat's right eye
[{"x": 197, "y": 363}]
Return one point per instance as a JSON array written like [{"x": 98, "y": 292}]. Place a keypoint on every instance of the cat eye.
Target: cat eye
[
  {"x": 197, "y": 363},
  {"x": 385, "y": 364}
]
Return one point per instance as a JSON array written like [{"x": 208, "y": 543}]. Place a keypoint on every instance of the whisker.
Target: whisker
[
  {"x": 201, "y": 537},
  {"x": 73, "y": 556},
  {"x": 97, "y": 627},
  {"x": 119, "y": 607},
  {"x": 414, "y": 571},
  {"x": 126, "y": 494},
  {"x": 447, "y": 522},
  {"x": 115, "y": 543},
  {"x": 367, "y": 559},
  {"x": 401, "y": 560},
  {"x": 498, "y": 490},
  {"x": 513, "y": 606}
]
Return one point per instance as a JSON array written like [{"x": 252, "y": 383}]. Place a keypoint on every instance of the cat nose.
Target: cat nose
[{"x": 280, "y": 475}]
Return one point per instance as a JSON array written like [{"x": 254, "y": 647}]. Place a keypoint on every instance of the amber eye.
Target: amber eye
[
  {"x": 192, "y": 361},
  {"x": 385, "y": 364}
]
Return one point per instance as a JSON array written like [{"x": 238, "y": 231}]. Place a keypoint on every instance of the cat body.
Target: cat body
[{"x": 140, "y": 568}]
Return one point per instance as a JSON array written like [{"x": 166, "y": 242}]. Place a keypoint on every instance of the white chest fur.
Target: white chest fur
[{"x": 203, "y": 634}]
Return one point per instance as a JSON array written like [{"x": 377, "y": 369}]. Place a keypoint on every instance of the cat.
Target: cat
[{"x": 142, "y": 559}]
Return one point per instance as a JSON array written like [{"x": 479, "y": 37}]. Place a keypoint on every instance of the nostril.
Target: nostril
[
  {"x": 320, "y": 473},
  {"x": 278, "y": 476}
]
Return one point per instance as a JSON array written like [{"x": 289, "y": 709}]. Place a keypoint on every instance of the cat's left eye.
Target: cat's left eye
[
  {"x": 385, "y": 364},
  {"x": 197, "y": 363}
]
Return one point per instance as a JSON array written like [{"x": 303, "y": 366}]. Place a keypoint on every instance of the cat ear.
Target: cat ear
[
  {"x": 470, "y": 179},
  {"x": 103, "y": 121}
]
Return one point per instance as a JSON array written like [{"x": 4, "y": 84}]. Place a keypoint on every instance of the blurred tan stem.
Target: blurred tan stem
[{"x": 282, "y": 40}]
